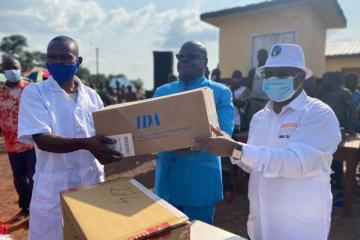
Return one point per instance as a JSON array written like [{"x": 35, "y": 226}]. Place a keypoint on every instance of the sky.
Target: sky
[{"x": 128, "y": 31}]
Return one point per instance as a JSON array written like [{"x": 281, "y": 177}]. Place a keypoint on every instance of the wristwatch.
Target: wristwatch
[{"x": 237, "y": 152}]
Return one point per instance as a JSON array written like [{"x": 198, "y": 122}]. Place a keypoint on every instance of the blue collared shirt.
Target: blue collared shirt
[{"x": 194, "y": 180}]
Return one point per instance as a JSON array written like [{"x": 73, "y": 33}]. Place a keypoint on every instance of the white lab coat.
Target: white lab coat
[
  {"x": 289, "y": 157},
  {"x": 46, "y": 108}
]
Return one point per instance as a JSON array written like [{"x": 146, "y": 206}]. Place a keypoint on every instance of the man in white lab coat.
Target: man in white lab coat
[
  {"x": 56, "y": 115},
  {"x": 288, "y": 154}
]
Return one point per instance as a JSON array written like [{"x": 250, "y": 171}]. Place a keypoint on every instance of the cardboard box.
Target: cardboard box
[
  {"x": 202, "y": 231},
  {"x": 120, "y": 209},
  {"x": 158, "y": 124}
]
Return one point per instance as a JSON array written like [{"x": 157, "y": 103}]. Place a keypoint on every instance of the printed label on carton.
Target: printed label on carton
[{"x": 124, "y": 144}]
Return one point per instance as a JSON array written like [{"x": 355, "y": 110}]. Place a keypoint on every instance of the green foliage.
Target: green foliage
[
  {"x": 138, "y": 83},
  {"x": 84, "y": 74},
  {"x": 15, "y": 45}
]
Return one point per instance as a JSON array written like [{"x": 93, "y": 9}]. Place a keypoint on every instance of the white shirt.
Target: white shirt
[
  {"x": 238, "y": 92},
  {"x": 46, "y": 108},
  {"x": 289, "y": 156},
  {"x": 237, "y": 95}
]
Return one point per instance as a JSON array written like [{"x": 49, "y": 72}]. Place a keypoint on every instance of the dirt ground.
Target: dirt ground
[{"x": 229, "y": 216}]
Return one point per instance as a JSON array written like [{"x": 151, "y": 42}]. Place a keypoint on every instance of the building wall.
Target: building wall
[
  {"x": 236, "y": 32},
  {"x": 346, "y": 64},
  {"x": 315, "y": 40}
]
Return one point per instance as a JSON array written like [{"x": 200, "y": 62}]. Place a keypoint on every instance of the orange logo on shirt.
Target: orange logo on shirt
[{"x": 289, "y": 125}]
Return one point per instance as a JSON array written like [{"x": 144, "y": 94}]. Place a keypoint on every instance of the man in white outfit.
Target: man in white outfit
[
  {"x": 56, "y": 115},
  {"x": 288, "y": 154}
]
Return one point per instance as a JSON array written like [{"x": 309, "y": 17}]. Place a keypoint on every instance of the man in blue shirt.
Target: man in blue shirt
[{"x": 191, "y": 180}]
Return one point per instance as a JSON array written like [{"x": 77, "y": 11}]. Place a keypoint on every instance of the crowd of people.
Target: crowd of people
[
  {"x": 119, "y": 94},
  {"x": 288, "y": 157}
]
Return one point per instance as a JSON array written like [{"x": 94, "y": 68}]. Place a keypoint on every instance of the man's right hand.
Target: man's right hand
[{"x": 98, "y": 146}]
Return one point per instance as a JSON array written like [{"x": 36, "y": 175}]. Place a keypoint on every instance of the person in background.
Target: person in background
[
  {"x": 2, "y": 79},
  {"x": 206, "y": 72},
  {"x": 22, "y": 156},
  {"x": 56, "y": 115},
  {"x": 171, "y": 78},
  {"x": 351, "y": 83},
  {"x": 340, "y": 100},
  {"x": 130, "y": 96},
  {"x": 288, "y": 154},
  {"x": 93, "y": 86},
  {"x": 119, "y": 98},
  {"x": 122, "y": 90},
  {"x": 191, "y": 180},
  {"x": 241, "y": 96},
  {"x": 104, "y": 95},
  {"x": 311, "y": 86},
  {"x": 140, "y": 93},
  {"x": 216, "y": 75},
  {"x": 2, "y": 83},
  {"x": 258, "y": 97}
]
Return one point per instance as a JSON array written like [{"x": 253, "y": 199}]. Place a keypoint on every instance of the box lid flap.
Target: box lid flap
[{"x": 120, "y": 209}]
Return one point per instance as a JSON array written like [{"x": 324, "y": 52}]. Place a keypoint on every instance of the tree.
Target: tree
[
  {"x": 31, "y": 59},
  {"x": 99, "y": 78},
  {"x": 84, "y": 74},
  {"x": 38, "y": 58},
  {"x": 138, "y": 83},
  {"x": 13, "y": 45}
]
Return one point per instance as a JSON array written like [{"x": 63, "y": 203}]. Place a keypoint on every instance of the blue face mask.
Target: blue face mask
[
  {"x": 279, "y": 89},
  {"x": 62, "y": 72}
]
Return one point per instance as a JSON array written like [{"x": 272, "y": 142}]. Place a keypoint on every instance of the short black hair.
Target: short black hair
[
  {"x": 351, "y": 77},
  {"x": 200, "y": 47},
  {"x": 65, "y": 40},
  {"x": 237, "y": 74},
  {"x": 10, "y": 61},
  {"x": 332, "y": 77},
  {"x": 216, "y": 72}
]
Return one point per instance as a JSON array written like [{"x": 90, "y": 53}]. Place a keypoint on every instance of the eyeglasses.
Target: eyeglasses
[
  {"x": 189, "y": 56},
  {"x": 60, "y": 58},
  {"x": 266, "y": 73}
]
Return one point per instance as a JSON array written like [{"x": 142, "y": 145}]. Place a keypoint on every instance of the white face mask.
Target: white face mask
[{"x": 12, "y": 75}]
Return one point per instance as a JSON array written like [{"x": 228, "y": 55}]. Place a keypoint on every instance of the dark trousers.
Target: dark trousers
[
  {"x": 228, "y": 175},
  {"x": 23, "y": 168},
  {"x": 229, "y": 171},
  {"x": 337, "y": 175}
]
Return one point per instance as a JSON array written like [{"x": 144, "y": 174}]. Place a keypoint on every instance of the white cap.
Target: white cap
[{"x": 286, "y": 55}]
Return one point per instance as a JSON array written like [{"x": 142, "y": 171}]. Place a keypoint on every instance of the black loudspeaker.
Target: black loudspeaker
[{"x": 163, "y": 66}]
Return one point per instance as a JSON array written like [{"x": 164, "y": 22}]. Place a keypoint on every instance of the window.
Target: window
[{"x": 266, "y": 41}]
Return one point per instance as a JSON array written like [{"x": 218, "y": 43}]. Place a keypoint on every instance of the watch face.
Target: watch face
[{"x": 237, "y": 154}]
